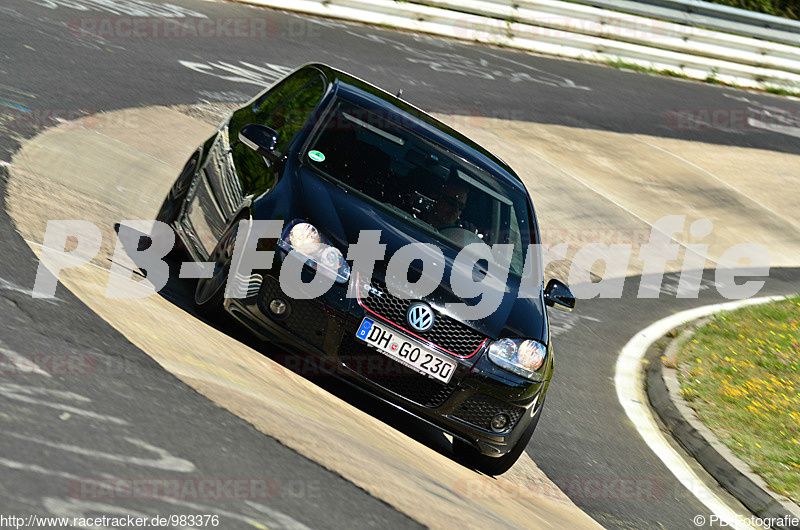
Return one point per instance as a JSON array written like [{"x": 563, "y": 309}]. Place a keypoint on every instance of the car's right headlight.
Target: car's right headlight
[
  {"x": 522, "y": 357},
  {"x": 310, "y": 244}
]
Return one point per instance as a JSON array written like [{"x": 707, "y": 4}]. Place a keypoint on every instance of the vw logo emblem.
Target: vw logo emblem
[{"x": 420, "y": 316}]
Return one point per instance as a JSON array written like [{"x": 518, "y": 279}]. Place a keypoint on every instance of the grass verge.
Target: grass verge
[
  {"x": 741, "y": 374},
  {"x": 783, "y": 91},
  {"x": 779, "y": 8},
  {"x": 636, "y": 67},
  {"x": 711, "y": 78}
]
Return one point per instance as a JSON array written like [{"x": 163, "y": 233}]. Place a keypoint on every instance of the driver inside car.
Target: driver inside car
[{"x": 451, "y": 199}]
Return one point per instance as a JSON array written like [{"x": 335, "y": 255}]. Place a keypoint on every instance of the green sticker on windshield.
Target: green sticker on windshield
[{"x": 316, "y": 156}]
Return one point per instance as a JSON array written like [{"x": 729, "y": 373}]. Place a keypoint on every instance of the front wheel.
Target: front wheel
[
  {"x": 471, "y": 457},
  {"x": 209, "y": 295},
  {"x": 173, "y": 203},
  {"x": 171, "y": 207}
]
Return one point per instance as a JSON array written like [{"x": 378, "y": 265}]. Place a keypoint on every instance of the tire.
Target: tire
[
  {"x": 471, "y": 457},
  {"x": 171, "y": 207},
  {"x": 209, "y": 294}
]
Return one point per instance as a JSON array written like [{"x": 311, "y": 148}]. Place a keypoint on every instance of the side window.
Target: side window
[
  {"x": 285, "y": 108},
  {"x": 290, "y": 116}
]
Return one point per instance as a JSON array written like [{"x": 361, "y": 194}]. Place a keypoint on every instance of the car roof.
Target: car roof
[{"x": 354, "y": 88}]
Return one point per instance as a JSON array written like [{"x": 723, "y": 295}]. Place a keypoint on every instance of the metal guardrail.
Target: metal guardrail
[
  {"x": 707, "y": 15},
  {"x": 733, "y": 14},
  {"x": 576, "y": 30},
  {"x": 528, "y": 15}
]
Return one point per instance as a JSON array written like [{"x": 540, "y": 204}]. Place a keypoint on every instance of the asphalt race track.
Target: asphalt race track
[{"x": 94, "y": 127}]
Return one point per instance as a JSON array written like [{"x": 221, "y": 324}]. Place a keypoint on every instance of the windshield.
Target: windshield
[{"x": 419, "y": 181}]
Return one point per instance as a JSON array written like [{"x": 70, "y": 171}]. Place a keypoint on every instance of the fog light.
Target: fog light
[
  {"x": 278, "y": 306},
  {"x": 500, "y": 422}
]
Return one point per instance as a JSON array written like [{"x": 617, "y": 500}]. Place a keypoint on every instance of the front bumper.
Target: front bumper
[{"x": 323, "y": 331}]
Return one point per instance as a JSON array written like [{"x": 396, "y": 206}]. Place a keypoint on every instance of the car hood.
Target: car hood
[{"x": 342, "y": 214}]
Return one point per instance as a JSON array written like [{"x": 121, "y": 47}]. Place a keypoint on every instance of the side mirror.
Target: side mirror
[
  {"x": 261, "y": 139},
  {"x": 558, "y": 295}
]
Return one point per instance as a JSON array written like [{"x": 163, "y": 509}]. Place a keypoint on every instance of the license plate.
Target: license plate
[{"x": 406, "y": 350}]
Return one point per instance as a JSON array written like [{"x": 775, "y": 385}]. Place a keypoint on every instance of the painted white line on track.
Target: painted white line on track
[{"x": 629, "y": 381}]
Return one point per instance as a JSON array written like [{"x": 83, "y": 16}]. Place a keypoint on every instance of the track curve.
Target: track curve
[{"x": 596, "y": 149}]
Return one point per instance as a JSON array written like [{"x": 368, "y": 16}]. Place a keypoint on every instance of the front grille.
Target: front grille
[
  {"x": 393, "y": 376},
  {"x": 479, "y": 409},
  {"x": 446, "y": 333}
]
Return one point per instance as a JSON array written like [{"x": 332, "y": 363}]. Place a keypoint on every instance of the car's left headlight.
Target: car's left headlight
[
  {"x": 522, "y": 357},
  {"x": 310, "y": 244}
]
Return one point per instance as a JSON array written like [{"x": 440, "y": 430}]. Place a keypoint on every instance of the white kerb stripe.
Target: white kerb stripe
[{"x": 630, "y": 391}]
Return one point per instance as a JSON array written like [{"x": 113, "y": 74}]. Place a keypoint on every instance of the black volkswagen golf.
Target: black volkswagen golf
[{"x": 399, "y": 253}]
